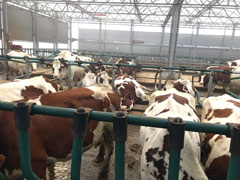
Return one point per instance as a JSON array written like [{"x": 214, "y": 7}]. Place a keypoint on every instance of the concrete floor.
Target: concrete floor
[{"x": 90, "y": 169}]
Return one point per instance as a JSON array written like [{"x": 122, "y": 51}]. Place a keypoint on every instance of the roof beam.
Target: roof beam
[
  {"x": 203, "y": 10},
  {"x": 137, "y": 9},
  {"x": 77, "y": 6},
  {"x": 170, "y": 12}
]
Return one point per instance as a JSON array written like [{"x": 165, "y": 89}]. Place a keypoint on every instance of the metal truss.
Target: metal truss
[{"x": 207, "y": 13}]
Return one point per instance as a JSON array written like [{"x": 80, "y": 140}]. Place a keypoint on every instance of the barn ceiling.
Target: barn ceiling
[{"x": 209, "y": 13}]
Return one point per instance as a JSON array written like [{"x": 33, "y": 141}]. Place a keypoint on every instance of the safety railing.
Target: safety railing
[
  {"x": 81, "y": 116},
  {"x": 159, "y": 69}
]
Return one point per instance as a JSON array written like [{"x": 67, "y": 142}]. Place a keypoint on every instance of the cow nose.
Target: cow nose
[{"x": 34, "y": 69}]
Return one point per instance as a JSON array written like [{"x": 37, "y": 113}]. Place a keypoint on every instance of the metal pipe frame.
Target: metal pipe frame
[
  {"x": 35, "y": 29},
  {"x": 142, "y": 12},
  {"x": 174, "y": 32},
  {"x": 121, "y": 127}
]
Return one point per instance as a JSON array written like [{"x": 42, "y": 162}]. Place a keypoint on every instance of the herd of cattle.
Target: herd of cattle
[{"x": 204, "y": 156}]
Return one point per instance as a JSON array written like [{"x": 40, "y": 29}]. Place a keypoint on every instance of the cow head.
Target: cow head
[
  {"x": 57, "y": 67},
  {"x": 182, "y": 85},
  {"x": 91, "y": 79}
]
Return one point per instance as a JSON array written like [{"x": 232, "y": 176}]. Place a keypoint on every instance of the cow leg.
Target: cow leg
[
  {"x": 108, "y": 146},
  {"x": 39, "y": 162},
  {"x": 101, "y": 153}
]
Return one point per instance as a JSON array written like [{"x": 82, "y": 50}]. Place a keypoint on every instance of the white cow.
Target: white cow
[
  {"x": 26, "y": 88},
  {"x": 60, "y": 70},
  {"x": 20, "y": 68},
  {"x": 155, "y": 152},
  {"x": 218, "y": 110}
]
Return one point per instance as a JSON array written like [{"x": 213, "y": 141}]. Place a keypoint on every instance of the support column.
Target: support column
[
  {"x": 70, "y": 35},
  {"x": 35, "y": 29},
  {"x": 222, "y": 43},
  {"x": 55, "y": 33},
  {"x": 174, "y": 32},
  {"x": 196, "y": 42},
  {"x": 232, "y": 39},
  {"x": 4, "y": 27},
  {"x": 100, "y": 36},
  {"x": 105, "y": 37},
  {"x": 162, "y": 41},
  {"x": 78, "y": 37},
  {"x": 191, "y": 43},
  {"x": 131, "y": 36}
]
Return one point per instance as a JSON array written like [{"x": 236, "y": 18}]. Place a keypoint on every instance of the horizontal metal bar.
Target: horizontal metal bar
[
  {"x": 152, "y": 67},
  {"x": 134, "y": 120}
]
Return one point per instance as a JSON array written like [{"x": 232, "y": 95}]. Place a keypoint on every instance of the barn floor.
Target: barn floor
[{"x": 90, "y": 169}]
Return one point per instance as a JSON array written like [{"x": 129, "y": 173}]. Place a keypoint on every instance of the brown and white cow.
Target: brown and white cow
[
  {"x": 52, "y": 136},
  {"x": 123, "y": 69},
  {"x": 131, "y": 91},
  {"x": 182, "y": 85},
  {"x": 234, "y": 63},
  {"x": 21, "y": 89},
  {"x": 221, "y": 78},
  {"x": 155, "y": 152},
  {"x": 218, "y": 110},
  {"x": 60, "y": 70}
]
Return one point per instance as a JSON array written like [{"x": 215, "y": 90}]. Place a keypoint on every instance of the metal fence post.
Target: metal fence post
[
  {"x": 22, "y": 124},
  {"x": 113, "y": 76},
  {"x": 120, "y": 137},
  {"x": 233, "y": 169},
  {"x": 27, "y": 66},
  {"x": 176, "y": 143},
  {"x": 160, "y": 79},
  {"x": 80, "y": 119},
  {"x": 210, "y": 84},
  {"x": 69, "y": 75}
]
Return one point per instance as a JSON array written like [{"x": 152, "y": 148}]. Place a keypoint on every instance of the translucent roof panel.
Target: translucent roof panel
[{"x": 207, "y": 13}]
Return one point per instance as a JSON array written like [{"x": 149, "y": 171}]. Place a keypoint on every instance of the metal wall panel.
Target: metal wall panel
[
  {"x": 20, "y": 26},
  {"x": 19, "y": 23}
]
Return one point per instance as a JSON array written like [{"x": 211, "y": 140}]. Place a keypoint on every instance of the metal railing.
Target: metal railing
[
  {"x": 120, "y": 120},
  {"x": 159, "y": 70}
]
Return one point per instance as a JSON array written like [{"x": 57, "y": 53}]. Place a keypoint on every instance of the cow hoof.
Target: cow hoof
[{"x": 60, "y": 87}]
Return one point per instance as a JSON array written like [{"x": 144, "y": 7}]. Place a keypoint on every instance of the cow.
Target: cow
[
  {"x": 21, "y": 89},
  {"x": 66, "y": 55},
  {"x": 51, "y": 137},
  {"x": 234, "y": 63},
  {"x": 60, "y": 70},
  {"x": 223, "y": 78},
  {"x": 19, "y": 68},
  {"x": 91, "y": 79},
  {"x": 182, "y": 85},
  {"x": 131, "y": 91},
  {"x": 123, "y": 69},
  {"x": 155, "y": 151},
  {"x": 218, "y": 110}
]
